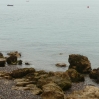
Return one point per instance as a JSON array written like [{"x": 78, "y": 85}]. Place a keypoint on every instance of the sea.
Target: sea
[{"x": 46, "y": 32}]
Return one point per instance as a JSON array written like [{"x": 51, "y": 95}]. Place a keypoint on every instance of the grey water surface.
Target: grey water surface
[{"x": 42, "y": 29}]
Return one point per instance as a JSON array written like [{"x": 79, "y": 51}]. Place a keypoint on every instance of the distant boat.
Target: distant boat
[
  {"x": 9, "y": 5},
  {"x": 27, "y": 1}
]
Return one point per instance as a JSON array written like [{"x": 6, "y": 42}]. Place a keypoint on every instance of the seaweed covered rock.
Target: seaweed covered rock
[
  {"x": 52, "y": 91},
  {"x": 94, "y": 74},
  {"x": 1, "y": 55},
  {"x": 80, "y": 63},
  {"x": 75, "y": 76},
  {"x": 21, "y": 72},
  {"x": 12, "y": 60}
]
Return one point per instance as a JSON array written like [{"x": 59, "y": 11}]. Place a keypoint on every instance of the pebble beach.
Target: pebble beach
[{"x": 6, "y": 91}]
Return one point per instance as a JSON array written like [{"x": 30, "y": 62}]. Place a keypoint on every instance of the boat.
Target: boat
[{"x": 9, "y": 5}]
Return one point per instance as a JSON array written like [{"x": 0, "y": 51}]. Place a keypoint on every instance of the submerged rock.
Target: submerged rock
[{"x": 80, "y": 63}]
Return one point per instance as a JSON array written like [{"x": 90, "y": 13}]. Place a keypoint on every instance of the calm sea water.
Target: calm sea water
[{"x": 42, "y": 29}]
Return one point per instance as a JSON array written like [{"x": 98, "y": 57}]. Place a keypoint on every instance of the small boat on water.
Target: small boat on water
[{"x": 9, "y": 5}]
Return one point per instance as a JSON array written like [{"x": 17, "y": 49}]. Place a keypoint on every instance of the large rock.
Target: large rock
[
  {"x": 21, "y": 72},
  {"x": 64, "y": 83},
  {"x": 52, "y": 91},
  {"x": 75, "y": 76},
  {"x": 90, "y": 92},
  {"x": 94, "y": 74},
  {"x": 80, "y": 63}
]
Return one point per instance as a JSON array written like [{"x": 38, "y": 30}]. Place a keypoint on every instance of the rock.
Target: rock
[
  {"x": 52, "y": 91},
  {"x": 12, "y": 60},
  {"x": 1, "y": 55},
  {"x": 16, "y": 53},
  {"x": 80, "y": 63},
  {"x": 60, "y": 65},
  {"x": 2, "y": 62},
  {"x": 75, "y": 76},
  {"x": 27, "y": 63},
  {"x": 24, "y": 83},
  {"x": 62, "y": 82},
  {"x": 94, "y": 74},
  {"x": 19, "y": 62},
  {"x": 89, "y": 92},
  {"x": 21, "y": 72},
  {"x": 35, "y": 90}
]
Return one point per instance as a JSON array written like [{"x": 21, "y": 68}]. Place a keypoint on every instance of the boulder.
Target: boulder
[
  {"x": 80, "y": 63},
  {"x": 52, "y": 91},
  {"x": 2, "y": 62},
  {"x": 19, "y": 62},
  {"x": 94, "y": 74},
  {"x": 16, "y": 53},
  {"x": 64, "y": 83},
  {"x": 21, "y": 72},
  {"x": 1, "y": 55},
  {"x": 12, "y": 60},
  {"x": 75, "y": 76}
]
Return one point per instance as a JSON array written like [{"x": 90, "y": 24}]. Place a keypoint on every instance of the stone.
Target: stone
[
  {"x": 60, "y": 65},
  {"x": 52, "y": 91},
  {"x": 89, "y": 92},
  {"x": 94, "y": 74},
  {"x": 2, "y": 62},
  {"x": 15, "y": 53},
  {"x": 12, "y": 60},
  {"x": 19, "y": 62},
  {"x": 80, "y": 63},
  {"x": 75, "y": 76},
  {"x": 21, "y": 72}
]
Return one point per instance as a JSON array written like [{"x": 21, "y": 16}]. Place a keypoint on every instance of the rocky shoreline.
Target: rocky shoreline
[{"x": 28, "y": 83}]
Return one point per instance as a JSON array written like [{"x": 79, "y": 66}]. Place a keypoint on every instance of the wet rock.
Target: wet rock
[
  {"x": 60, "y": 65},
  {"x": 2, "y": 62},
  {"x": 21, "y": 72},
  {"x": 52, "y": 91},
  {"x": 94, "y": 74},
  {"x": 75, "y": 76},
  {"x": 80, "y": 63},
  {"x": 12, "y": 60}
]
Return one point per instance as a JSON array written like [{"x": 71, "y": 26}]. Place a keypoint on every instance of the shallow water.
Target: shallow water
[{"x": 42, "y": 29}]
